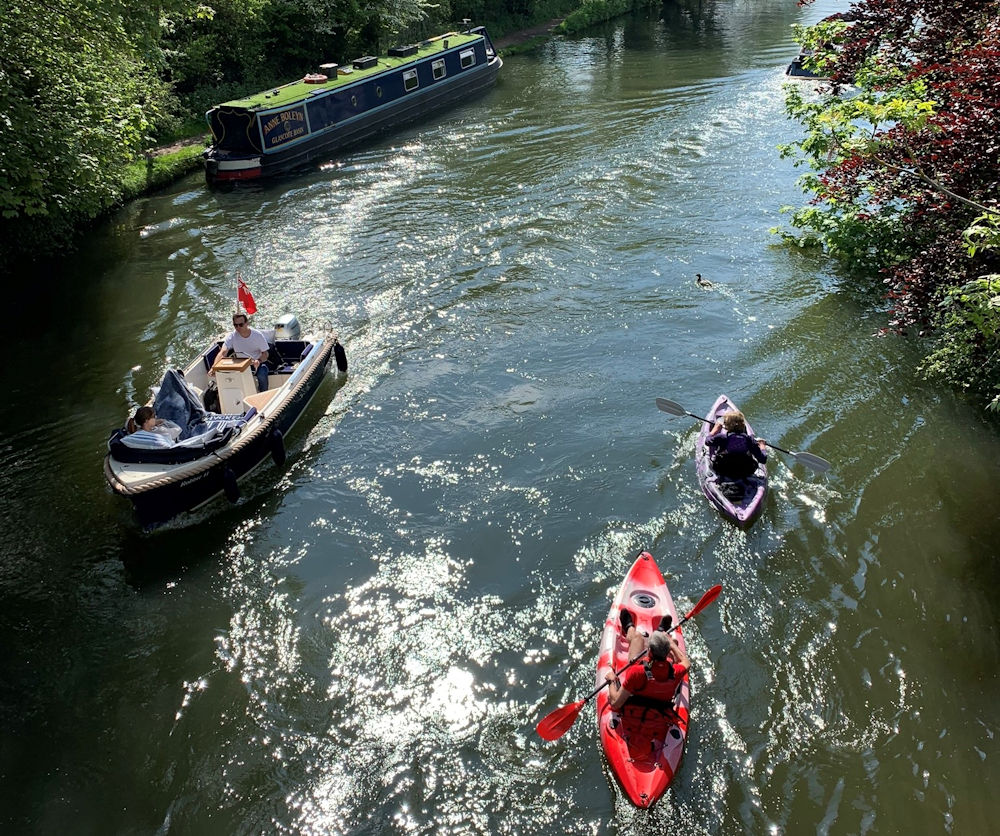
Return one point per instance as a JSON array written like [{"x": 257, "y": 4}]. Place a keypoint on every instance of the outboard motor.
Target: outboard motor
[{"x": 287, "y": 328}]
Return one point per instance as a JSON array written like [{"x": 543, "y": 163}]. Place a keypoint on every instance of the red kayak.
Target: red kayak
[{"x": 644, "y": 742}]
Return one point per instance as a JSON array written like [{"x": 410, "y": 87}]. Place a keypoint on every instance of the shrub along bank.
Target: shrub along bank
[{"x": 904, "y": 171}]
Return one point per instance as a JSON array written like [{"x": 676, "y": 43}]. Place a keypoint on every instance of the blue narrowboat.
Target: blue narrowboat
[
  {"x": 276, "y": 131},
  {"x": 797, "y": 68}
]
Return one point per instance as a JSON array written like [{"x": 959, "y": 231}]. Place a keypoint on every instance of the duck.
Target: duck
[{"x": 702, "y": 282}]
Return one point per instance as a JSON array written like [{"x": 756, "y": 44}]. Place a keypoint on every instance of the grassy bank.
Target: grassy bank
[
  {"x": 593, "y": 12},
  {"x": 161, "y": 168}
]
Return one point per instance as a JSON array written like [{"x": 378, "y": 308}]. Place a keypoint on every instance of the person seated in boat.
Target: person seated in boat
[
  {"x": 659, "y": 675},
  {"x": 145, "y": 427},
  {"x": 245, "y": 342},
  {"x": 734, "y": 452}
]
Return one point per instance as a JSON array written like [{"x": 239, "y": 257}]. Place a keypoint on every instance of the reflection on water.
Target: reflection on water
[{"x": 365, "y": 642}]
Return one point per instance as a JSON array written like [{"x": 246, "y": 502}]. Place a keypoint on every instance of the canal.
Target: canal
[{"x": 365, "y": 642}]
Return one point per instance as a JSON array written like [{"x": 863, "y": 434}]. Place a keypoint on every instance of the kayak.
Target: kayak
[
  {"x": 644, "y": 741},
  {"x": 740, "y": 500}
]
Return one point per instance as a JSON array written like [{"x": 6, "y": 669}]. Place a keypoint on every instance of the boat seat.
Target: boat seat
[
  {"x": 259, "y": 401},
  {"x": 283, "y": 353},
  {"x": 210, "y": 355}
]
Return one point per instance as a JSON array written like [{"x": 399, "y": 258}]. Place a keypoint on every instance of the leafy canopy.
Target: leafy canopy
[{"x": 903, "y": 151}]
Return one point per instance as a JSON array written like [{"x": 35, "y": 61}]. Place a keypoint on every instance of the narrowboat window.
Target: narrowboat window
[
  {"x": 410, "y": 80},
  {"x": 354, "y": 101},
  {"x": 378, "y": 92},
  {"x": 468, "y": 58},
  {"x": 437, "y": 68}
]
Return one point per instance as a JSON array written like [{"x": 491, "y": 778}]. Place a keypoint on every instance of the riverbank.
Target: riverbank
[{"x": 162, "y": 166}]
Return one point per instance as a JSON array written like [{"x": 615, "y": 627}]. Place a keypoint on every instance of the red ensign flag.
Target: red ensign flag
[{"x": 245, "y": 297}]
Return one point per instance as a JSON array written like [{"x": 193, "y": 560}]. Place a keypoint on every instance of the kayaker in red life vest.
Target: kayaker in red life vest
[
  {"x": 735, "y": 453},
  {"x": 659, "y": 676}
]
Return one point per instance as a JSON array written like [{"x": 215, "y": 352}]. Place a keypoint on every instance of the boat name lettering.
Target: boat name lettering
[
  {"x": 193, "y": 479},
  {"x": 284, "y": 126}
]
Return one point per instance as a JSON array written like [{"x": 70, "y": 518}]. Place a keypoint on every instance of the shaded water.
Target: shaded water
[{"x": 365, "y": 642}]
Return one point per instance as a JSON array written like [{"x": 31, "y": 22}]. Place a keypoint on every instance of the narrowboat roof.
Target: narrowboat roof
[{"x": 300, "y": 89}]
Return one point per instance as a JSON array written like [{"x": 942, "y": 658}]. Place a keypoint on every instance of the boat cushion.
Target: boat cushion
[
  {"x": 209, "y": 356},
  {"x": 282, "y": 353},
  {"x": 189, "y": 450}
]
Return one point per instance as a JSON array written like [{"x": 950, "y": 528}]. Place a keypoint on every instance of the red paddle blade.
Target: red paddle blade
[
  {"x": 706, "y": 599},
  {"x": 555, "y": 725}
]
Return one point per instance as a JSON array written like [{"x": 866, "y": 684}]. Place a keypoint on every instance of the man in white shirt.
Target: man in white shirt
[{"x": 246, "y": 342}]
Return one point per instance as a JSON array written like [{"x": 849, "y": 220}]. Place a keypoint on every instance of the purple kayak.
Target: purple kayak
[{"x": 740, "y": 500}]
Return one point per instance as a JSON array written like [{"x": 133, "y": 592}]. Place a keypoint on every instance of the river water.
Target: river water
[{"x": 365, "y": 642}]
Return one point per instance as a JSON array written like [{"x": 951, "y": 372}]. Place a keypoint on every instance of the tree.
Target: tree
[
  {"x": 904, "y": 151},
  {"x": 78, "y": 98}
]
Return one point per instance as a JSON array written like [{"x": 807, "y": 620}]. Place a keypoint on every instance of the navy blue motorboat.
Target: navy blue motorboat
[
  {"x": 797, "y": 68},
  {"x": 228, "y": 428}
]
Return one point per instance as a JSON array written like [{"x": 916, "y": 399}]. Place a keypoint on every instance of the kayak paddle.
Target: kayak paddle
[
  {"x": 815, "y": 462},
  {"x": 555, "y": 724}
]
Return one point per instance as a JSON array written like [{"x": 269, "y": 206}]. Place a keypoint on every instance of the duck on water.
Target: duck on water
[{"x": 227, "y": 427}]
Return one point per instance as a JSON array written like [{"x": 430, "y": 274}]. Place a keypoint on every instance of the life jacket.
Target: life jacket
[
  {"x": 661, "y": 684},
  {"x": 734, "y": 459}
]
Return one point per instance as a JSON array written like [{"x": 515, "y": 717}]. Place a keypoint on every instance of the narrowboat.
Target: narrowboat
[
  {"x": 227, "y": 427},
  {"x": 276, "y": 131},
  {"x": 797, "y": 68}
]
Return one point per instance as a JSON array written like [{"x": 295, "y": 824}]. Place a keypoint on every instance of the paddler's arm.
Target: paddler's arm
[
  {"x": 616, "y": 694},
  {"x": 678, "y": 655}
]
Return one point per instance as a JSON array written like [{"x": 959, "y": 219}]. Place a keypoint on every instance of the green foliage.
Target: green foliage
[
  {"x": 904, "y": 171},
  {"x": 967, "y": 347},
  {"x": 865, "y": 241},
  {"x": 595, "y": 11},
  {"x": 156, "y": 171},
  {"x": 78, "y": 100}
]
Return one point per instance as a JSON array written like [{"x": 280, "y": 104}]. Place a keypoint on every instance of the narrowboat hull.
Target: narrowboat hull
[{"x": 304, "y": 123}]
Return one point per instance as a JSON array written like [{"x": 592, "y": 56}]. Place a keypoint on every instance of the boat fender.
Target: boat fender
[
  {"x": 276, "y": 441},
  {"x": 229, "y": 485},
  {"x": 314, "y": 78},
  {"x": 340, "y": 355}
]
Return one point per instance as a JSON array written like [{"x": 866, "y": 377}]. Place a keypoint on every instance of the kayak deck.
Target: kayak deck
[
  {"x": 739, "y": 500},
  {"x": 644, "y": 742}
]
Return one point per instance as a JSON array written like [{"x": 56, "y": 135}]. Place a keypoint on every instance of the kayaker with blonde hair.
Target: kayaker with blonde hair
[{"x": 735, "y": 453}]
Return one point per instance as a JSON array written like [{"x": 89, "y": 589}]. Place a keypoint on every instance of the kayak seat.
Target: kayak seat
[
  {"x": 651, "y": 704},
  {"x": 732, "y": 490},
  {"x": 645, "y": 725},
  {"x": 732, "y": 467}
]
